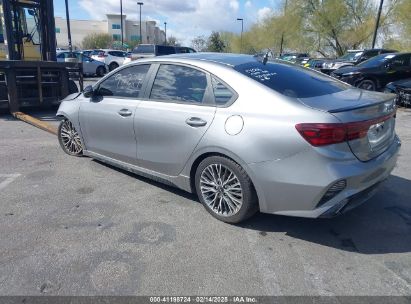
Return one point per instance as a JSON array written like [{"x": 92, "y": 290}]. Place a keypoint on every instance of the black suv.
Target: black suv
[
  {"x": 375, "y": 73},
  {"x": 353, "y": 57}
]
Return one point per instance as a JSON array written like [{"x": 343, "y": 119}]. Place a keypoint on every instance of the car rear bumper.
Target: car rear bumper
[{"x": 296, "y": 185}]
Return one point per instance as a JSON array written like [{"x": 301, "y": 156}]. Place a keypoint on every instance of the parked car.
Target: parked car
[
  {"x": 316, "y": 63},
  {"x": 308, "y": 146},
  {"x": 86, "y": 52},
  {"x": 90, "y": 66},
  {"x": 295, "y": 57},
  {"x": 403, "y": 90},
  {"x": 184, "y": 50},
  {"x": 375, "y": 73},
  {"x": 112, "y": 58},
  {"x": 152, "y": 50},
  {"x": 353, "y": 57}
]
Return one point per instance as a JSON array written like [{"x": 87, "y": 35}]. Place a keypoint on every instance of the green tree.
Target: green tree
[
  {"x": 215, "y": 43},
  {"x": 97, "y": 41}
]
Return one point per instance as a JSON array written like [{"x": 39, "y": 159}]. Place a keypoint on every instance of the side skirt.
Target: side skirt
[{"x": 181, "y": 182}]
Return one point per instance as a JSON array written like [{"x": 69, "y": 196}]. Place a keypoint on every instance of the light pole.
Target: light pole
[
  {"x": 165, "y": 33},
  {"x": 242, "y": 28},
  {"x": 121, "y": 23},
  {"x": 141, "y": 35},
  {"x": 68, "y": 29},
  {"x": 377, "y": 24}
]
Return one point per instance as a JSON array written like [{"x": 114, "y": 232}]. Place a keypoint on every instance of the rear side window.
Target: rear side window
[
  {"x": 125, "y": 83},
  {"x": 144, "y": 49},
  {"x": 222, "y": 94},
  {"x": 165, "y": 50},
  {"x": 291, "y": 80},
  {"x": 179, "y": 83}
]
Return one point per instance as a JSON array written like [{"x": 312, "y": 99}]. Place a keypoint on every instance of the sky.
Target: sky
[{"x": 186, "y": 19}]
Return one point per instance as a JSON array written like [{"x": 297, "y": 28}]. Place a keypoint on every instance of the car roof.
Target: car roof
[{"x": 227, "y": 59}]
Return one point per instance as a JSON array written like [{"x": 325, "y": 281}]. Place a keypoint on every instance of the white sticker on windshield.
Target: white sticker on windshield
[{"x": 261, "y": 74}]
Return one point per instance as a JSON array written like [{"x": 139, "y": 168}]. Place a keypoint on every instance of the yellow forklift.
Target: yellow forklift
[{"x": 30, "y": 76}]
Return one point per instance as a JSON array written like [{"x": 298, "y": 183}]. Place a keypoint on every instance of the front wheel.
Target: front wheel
[
  {"x": 69, "y": 138},
  {"x": 367, "y": 84},
  {"x": 100, "y": 71},
  {"x": 113, "y": 66},
  {"x": 225, "y": 190}
]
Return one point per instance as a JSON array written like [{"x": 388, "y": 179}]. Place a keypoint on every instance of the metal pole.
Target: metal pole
[
  {"x": 165, "y": 33},
  {"x": 377, "y": 24},
  {"x": 242, "y": 29},
  {"x": 282, "y": 35},
  {"x": 121, "y": 23},
  {"x": 141, "y": 35},
  {"x": 68, "y": 28}
]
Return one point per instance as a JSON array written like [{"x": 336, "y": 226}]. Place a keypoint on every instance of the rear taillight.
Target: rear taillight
[{"x": 323, "y": 134}]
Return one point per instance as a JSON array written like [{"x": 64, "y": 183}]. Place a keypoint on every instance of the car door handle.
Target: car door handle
[
  {"x": 196, "y": 122},
  {"x": 124, "y": 112}
]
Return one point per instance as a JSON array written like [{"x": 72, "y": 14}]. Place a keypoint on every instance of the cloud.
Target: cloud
[
  {"x": 263, "y": 13},
  {"x": 234, "y": 5},
  {"x": 248, "y": 4}
]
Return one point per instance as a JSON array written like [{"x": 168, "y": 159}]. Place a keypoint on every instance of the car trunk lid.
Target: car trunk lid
[{"x": 372, "y": 113}]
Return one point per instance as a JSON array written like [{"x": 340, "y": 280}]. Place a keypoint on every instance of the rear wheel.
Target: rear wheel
[
  {"x": 69, "y": 138},
  {"x": 100, "y": 71},
  {"x": 225, "y": 190},
  {"x": 113, "y": 66},
  {"x": 367, "y": 84}
]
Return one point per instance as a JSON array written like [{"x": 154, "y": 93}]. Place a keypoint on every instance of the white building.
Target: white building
[{"x": 150, "y": 32}]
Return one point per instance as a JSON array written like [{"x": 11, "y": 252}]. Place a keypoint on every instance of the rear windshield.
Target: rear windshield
[
  {"x": 144, "y": 49},
  {"x": 376, "y": 61},
  {"x": 96, "y": 52},
  {"x": 291, "y": 80}
]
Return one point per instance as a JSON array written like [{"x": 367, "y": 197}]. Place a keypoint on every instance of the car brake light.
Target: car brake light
[{"x": 322, "y": 134}]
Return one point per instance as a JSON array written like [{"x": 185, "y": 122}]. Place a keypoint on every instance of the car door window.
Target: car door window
[
  {"x": 180, "y": 84},
  {"x": 401, "y": 61},
  {"x": 222, "y": 94},
  {"x": 125, "y": 83}
]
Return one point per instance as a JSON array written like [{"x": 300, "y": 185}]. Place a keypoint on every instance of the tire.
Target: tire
[
  {"x": 69, "y": 139},
  {"x": 233, "y": 202},
  {"x": 113, "y": 66},
  {"x": 367, "y": 84},
  {"x": 100, "y": 71}
]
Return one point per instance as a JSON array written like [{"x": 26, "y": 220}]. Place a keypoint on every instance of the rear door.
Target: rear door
[
  {"x": 170, "y": 123},
  {"x": 107, "y": 120}
]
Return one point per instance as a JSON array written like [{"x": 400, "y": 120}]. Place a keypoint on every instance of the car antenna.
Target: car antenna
[{"x": 265, "y": 58}]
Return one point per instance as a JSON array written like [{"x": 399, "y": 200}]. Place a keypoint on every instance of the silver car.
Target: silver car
[
  {"x": 244, "y": 135},
  {"x": 90, "y": 66}
]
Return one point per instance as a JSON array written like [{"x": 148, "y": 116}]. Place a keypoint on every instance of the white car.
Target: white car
[{"x": 112, "y": 58}]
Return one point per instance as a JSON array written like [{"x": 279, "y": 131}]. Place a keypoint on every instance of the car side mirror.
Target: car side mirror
[
  {"x": 388, "y": 66},
  {"x": 88, "y": 91}
]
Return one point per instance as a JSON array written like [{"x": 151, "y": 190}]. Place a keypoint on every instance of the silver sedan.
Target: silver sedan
[{"x": 244, "y": 134}]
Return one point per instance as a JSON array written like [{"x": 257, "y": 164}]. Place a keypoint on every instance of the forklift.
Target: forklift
[{"x": 30, "y": 76}]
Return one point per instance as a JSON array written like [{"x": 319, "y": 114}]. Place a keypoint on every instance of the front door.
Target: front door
[
  {"x": 173, "y": 120},
  {"x": 107, "y": 120}
]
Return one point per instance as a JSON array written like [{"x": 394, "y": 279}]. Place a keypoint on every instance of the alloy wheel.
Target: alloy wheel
[
  {"x": 221, "y": 190},
  {"x": 70, "y": 138}
]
